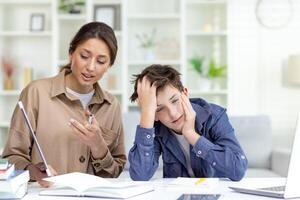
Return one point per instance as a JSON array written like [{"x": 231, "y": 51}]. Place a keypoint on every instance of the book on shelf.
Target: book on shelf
[
  {"x": 85, "y": 185},
  {"x": 15, "y": 187},
  {"x": 6, "y": 173}
]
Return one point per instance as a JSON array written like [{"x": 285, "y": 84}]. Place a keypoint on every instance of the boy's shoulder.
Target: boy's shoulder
[
  {"x": 210, "y": 107},
  {"x": 213, "y": 111}
]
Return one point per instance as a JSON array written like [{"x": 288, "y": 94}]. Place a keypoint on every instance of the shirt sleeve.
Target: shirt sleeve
[
  {"x": 105, "y": 162},
  {"x": 224, "y": 154},
  {"x": 144, "y": 154}
]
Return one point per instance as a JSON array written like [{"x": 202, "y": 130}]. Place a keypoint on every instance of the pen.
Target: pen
[
  {"x": 90, "y": 118},
  {"x": 200, "y": 181}
]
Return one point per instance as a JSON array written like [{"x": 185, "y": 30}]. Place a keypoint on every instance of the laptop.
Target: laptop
[{"x": 291, "y": 187}]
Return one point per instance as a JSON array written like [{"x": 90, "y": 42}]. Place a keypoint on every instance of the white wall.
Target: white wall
[
  {"x": 242, "y": 44},
  {"x": 258, "y": 57}
]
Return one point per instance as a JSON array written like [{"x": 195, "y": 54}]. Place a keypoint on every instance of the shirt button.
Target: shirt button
[
  {"x": 81, "y": 159},
  {"x": 214, "y": 163},
  {"x": 147, "y": 154},
  {"x": 199, "y": 152},
  {"x": 97, "y": 165},
  {"x": 243, "y": 157},
  {"x": 148, "y": 136}
]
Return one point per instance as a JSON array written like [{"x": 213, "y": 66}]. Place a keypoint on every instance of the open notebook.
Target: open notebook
[{"x": 86, "y": 185}]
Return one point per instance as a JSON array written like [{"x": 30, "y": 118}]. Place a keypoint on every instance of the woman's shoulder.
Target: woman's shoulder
[{"x": 39, "y": 85}]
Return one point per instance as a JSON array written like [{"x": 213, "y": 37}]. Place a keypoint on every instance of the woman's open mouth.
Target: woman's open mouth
[{"x": 87, "y": 77}]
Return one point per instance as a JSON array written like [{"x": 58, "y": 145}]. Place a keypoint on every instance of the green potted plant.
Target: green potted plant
[
  {"x": 216, "y": 73},
  {"x": 71, "y": 6},
  {"x": 200, "y": 81},
  {"x": 197, "y": 64}
]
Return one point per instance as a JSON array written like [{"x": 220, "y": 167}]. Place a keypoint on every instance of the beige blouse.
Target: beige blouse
[{"x": 50, "y": 108}]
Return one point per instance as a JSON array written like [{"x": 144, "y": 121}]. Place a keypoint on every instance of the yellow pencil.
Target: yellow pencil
[{"x": 200, "y": 181}]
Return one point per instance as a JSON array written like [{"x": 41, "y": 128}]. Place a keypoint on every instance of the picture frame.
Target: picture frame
[
  {"x": 109, "y": 14},
  {"x": 37, "y": 22}
]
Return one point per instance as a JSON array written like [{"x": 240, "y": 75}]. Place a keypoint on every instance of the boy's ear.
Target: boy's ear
[{"x": 185, "y": 91}]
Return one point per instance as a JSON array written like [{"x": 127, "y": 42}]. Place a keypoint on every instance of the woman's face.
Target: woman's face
[{"x": 89, "y": 62}]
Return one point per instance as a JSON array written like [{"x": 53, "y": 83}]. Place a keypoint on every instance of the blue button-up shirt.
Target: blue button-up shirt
[{"x": 217, "y": 153}]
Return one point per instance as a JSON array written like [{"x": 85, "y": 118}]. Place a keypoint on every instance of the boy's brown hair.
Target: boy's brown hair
[{"x": 162, "y": 75}]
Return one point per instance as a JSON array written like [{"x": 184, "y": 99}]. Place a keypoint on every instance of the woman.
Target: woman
[{"x": 59, "y": 108}]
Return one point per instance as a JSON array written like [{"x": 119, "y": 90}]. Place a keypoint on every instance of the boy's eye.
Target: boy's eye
[{"x": 175, "y": 100}]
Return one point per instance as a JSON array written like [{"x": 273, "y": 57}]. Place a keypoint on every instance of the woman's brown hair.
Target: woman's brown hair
[{"x": 99, "y": 31}]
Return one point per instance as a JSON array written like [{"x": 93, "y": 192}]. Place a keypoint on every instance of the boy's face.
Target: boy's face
[{"x": 169, "y": 108}]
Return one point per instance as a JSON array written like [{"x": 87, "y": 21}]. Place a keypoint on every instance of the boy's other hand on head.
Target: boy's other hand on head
[
  {"x": 147, "y": 102},
  {"x": 188, "y": 128}
]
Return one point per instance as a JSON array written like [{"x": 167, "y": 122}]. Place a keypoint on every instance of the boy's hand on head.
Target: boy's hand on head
[
  {"x": 188, "y": 128},
  {"x": 147, "y": 102}
]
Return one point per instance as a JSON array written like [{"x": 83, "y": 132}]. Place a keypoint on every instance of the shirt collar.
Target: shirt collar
[
  {"x": 59, "y": 87},
  {"x": 202, "y": 115}
]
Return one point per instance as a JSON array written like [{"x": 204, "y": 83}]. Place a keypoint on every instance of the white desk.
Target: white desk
[{"x": 163, "y": 191}]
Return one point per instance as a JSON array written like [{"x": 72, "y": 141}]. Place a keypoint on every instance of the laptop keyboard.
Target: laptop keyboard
[{"x": 275, "y": 189}]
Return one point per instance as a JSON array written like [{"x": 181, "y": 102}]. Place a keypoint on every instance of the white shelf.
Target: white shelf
[
  {"x": 10, "y": 92},
  {"x": 25, "y": 2},
  {"x": 202, "y": 33},
  {"x": 192, "y": 2},
  {"x": 208, "y": 92},
  {"x": 4, "y": 124},
  {"x": 170, "y": 19},
  {"x": 118, "y": 33},
  {"x": 149, "y": 62},
  {"x": 25, "y": 34},
  {"x": 63, "y": 62},
  {"x": 107, "y": 2},
  {"x": 72, "y": 17},
  {"x": 133, "y": 104},
  {"x": 115, "y": 92},
  {"x": 156, "y": 16}
]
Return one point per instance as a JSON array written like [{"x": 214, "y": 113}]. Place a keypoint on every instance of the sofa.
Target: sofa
[{"x": 254, "y": 134}]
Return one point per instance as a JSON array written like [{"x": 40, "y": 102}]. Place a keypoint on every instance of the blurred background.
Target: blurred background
[{"x": 244, "y": 55}]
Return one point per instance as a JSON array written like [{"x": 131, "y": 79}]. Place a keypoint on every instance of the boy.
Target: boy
[{"x": 194, "y": 137}]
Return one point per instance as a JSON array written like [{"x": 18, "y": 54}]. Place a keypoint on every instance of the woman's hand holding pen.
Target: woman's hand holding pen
[
  {"x": 38, "y": 172},
  {"x": 91, "y": 135}
]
